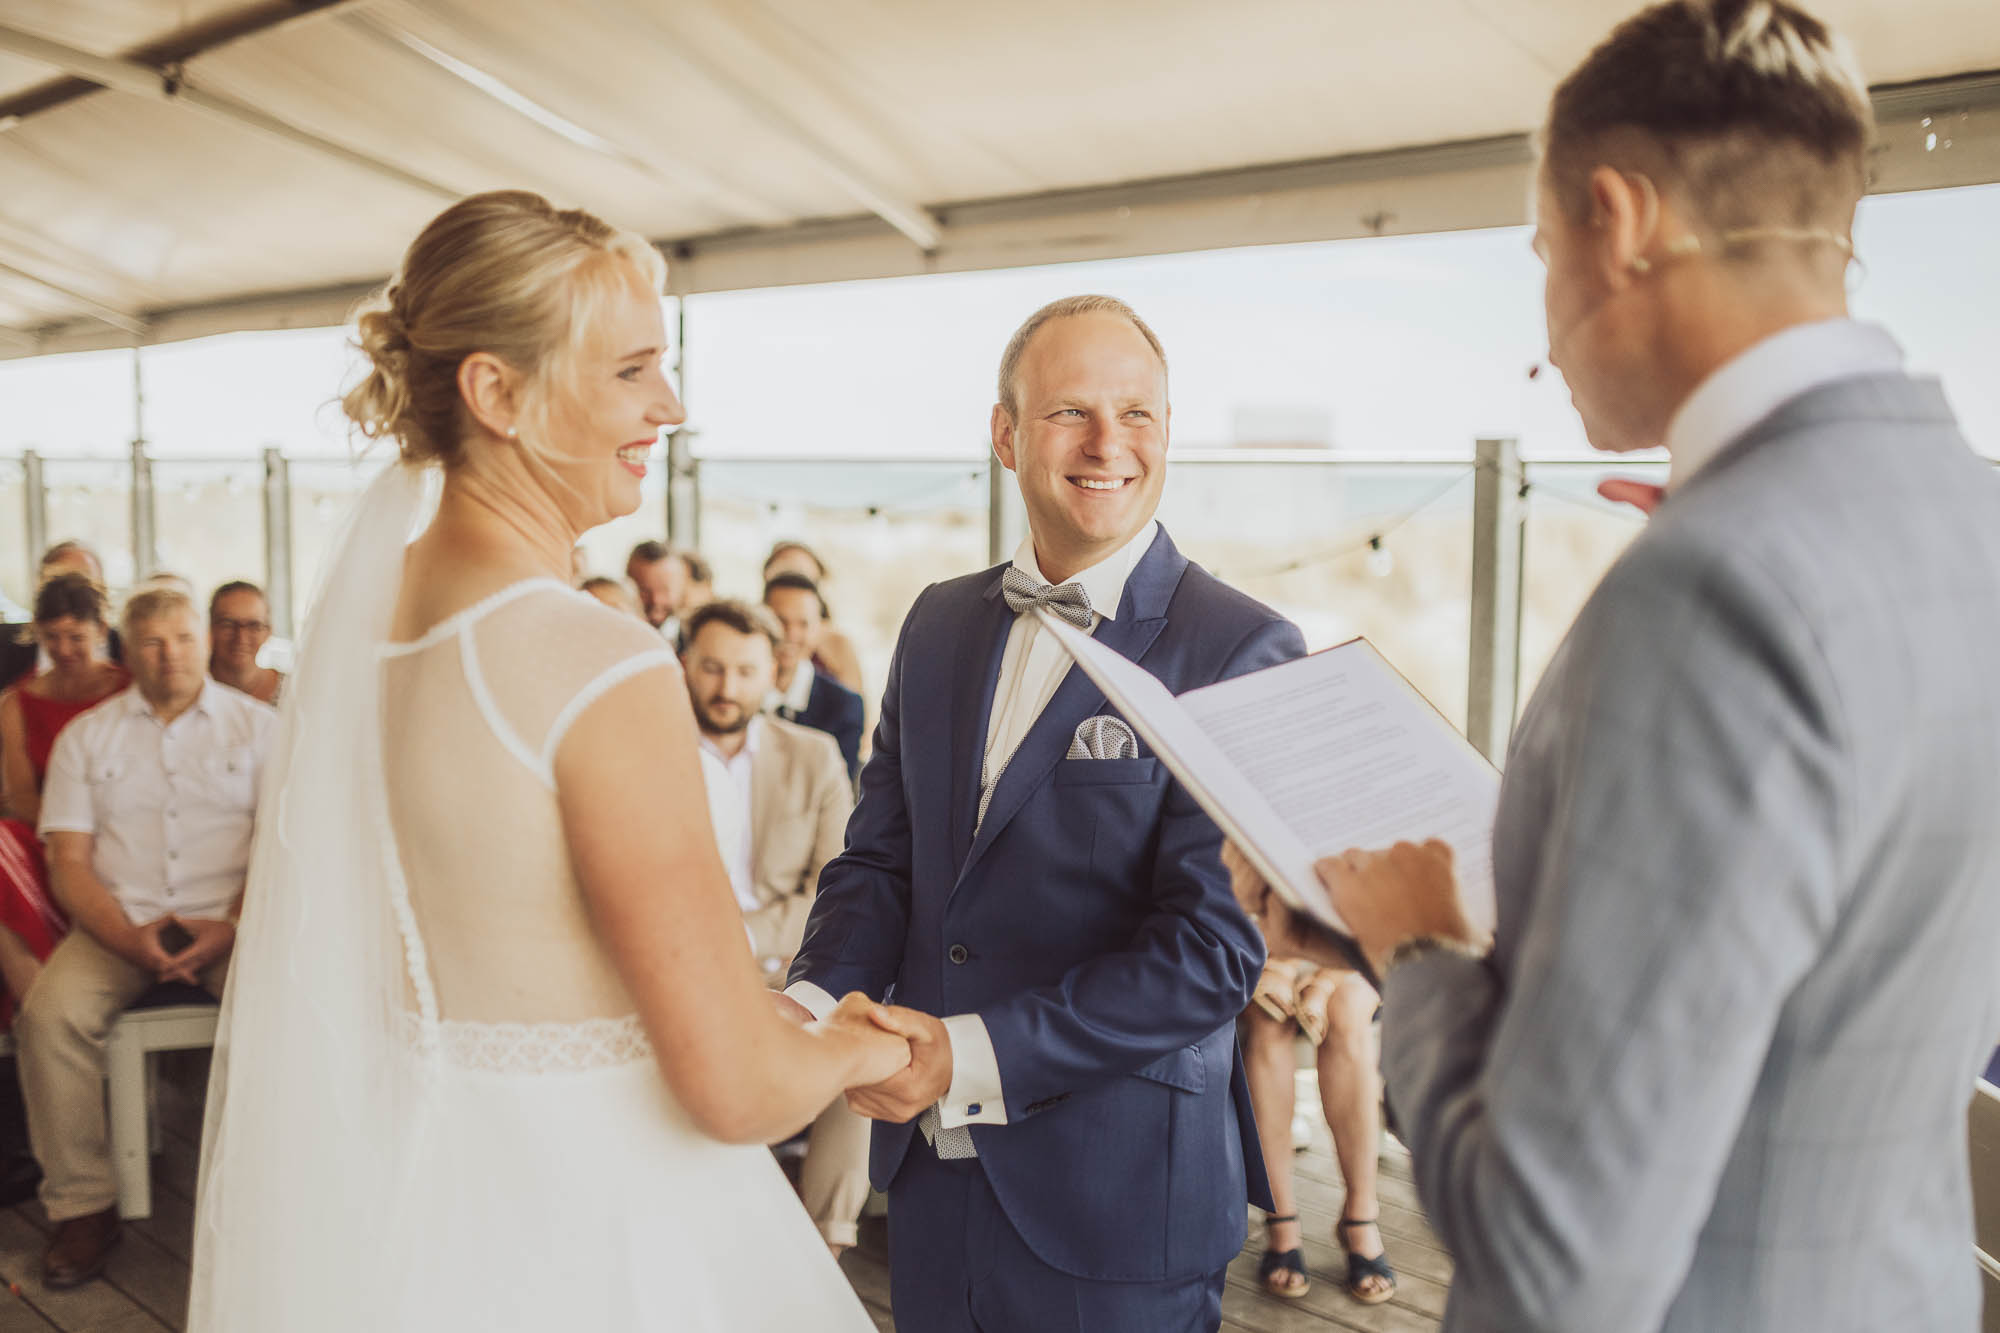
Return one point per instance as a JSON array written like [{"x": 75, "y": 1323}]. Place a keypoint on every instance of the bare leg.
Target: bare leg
[
  {"x": 1269, "y": 1066},
  {"x": 1350, "y": 1092},
  {"x": 18, "y": 966}
]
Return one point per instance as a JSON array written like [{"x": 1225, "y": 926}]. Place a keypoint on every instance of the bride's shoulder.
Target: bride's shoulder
[{"x": 568, "y": 625}]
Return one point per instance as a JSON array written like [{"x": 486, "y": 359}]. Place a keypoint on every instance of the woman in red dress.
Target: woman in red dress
[{"x": 70, "y": 627}]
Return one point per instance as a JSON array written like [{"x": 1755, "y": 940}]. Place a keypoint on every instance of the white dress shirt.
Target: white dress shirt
[
  {"x": 170, "y": 808},
  {"x": 1032, "y": 666},
  {"x": 728, "y": 779},
  {"x": 1764, "y": 378}
]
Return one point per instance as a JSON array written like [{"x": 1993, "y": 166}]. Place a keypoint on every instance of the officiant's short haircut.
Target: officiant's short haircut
[
  {"x": 1753, "y": 111},
  {"x": 1017, "y": 346},
  {"x": 740, "y": 616}
]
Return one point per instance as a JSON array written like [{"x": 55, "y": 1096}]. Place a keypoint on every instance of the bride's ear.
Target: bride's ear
[{"x": 491, "y": 392}]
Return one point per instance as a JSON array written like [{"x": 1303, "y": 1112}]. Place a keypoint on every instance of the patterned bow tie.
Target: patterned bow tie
[{"x": 1067, "y": 600}]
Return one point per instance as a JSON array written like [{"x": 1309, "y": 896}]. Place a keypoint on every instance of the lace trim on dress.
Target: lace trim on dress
[{"x": 535, "y": 1048}]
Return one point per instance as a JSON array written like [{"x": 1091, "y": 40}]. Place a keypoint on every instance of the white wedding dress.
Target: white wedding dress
[{"x": 472, "y": 1133}]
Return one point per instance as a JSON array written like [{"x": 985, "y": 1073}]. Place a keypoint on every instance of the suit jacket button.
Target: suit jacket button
[{"x": 957, "y": 953}]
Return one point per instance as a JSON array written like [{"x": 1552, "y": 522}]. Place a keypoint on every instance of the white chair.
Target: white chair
[{"x": 135, "y": 1130}]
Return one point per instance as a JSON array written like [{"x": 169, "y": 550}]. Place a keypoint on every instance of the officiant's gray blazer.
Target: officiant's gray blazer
[{"x": 1714, "y": 1077}]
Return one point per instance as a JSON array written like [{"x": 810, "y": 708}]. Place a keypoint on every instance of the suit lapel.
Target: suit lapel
[
  {"x": 980, "y": 649},
  {"x": 1142, "y": 614}
]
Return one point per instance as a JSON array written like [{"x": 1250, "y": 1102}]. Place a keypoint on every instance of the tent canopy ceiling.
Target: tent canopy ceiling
[{"x": 170, "y": 168}]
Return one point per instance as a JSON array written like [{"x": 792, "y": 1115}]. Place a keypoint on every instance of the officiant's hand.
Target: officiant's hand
[
  {"x": 928, "y": 1078},
  {"x": 1407, "y": 892},
  {"x": 1286, "y": 933}
]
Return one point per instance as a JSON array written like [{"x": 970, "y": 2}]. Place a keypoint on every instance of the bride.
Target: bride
[{"x": 494, "y": 1052}]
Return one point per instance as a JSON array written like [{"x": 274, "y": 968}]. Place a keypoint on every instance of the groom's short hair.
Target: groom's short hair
[
  {"x": 1755, "y": 109},
  {"x": 1017, "y": 346},
  {"x": 742, "y": 617}
]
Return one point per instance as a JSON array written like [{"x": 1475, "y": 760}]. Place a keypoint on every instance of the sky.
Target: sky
[{"x": 1410, "y": 346}]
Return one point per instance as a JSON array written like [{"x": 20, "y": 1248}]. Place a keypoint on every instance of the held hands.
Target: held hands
[
  {"x": 884, "y": 1054},
  {"x": 928, "y": 1077}
]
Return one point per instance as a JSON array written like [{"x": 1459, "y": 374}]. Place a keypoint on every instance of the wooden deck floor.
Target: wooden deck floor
[{"x": 145, "y": 1288}]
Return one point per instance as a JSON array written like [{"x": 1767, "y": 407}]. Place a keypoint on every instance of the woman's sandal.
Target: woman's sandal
[
  {"x": 1275, "y": 1262},
  {"x": 1360, "y": 1269}
]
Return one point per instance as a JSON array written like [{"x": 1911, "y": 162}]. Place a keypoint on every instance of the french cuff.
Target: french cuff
[
  {"x": 813, "y": 998},
  {"x": 974, "y": 1097}
]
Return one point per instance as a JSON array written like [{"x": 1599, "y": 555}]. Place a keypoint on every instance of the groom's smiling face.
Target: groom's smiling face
[{"x": 1088, "y": 439}]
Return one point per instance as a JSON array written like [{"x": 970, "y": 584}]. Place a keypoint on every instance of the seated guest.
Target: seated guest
[
  {"x": 166, "y": 578},
  {"x": 70, "y": 631},
  {"x": 613, "y": 594},
  {"x": 781, "y": 801},
  {"x": 660, "y": 579},
  {"x": 1335, "y": 1010},
  {"x": 836, "y": 656},
  {"x": 804, "y": 695},
  {"x": 239, "y": 625},
  {"x": 148, "y": 812},
  {"x": 20, "y": 653},
  {"x": 700, "y": 581}
]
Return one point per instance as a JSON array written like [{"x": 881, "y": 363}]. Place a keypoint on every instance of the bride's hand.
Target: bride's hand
[{"x": 880, "y": 1055}]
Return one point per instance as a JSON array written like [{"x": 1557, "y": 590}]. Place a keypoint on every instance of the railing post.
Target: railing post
[
  {"x": 683, "y": 491},
  {"x": 1494, "y": 674},
  {"x": 1006, "y": 520},
  {"x": 35, "y": 506},
  {"x": 278, "y": 540},
  {"x": 145, "y": 555}
]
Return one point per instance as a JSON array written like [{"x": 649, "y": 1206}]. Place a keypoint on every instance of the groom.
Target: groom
[{"x": 1071, "y": 1147}]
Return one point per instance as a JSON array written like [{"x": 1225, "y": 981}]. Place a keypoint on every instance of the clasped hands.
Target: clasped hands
[
  {"x": 207, "y": 941},
  {"x": 1387, "y": 899},
  {"x": 903, "y": 1075}
]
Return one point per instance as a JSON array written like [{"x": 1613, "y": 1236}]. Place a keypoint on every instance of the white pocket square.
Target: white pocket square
[{"x": 1104, "y": 737}]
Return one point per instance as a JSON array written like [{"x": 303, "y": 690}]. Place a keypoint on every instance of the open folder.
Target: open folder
[{"x": 1311, "y": 758}]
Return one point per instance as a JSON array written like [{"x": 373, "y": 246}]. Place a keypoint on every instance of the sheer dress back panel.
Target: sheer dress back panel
[{"x": 473, "y": 713}]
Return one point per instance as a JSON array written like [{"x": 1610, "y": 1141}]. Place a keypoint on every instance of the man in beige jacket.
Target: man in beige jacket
[{"x": 780, "y": 798}]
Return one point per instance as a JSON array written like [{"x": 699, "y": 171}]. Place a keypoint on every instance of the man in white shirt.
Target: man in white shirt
[
  {"x": 148, "y": 812},
  {"x": 1072, "y": 1147},
  {"x": 780, "y": 798}
]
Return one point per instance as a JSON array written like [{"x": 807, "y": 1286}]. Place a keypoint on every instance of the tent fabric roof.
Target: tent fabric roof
[{"x": 771, "y": 141}]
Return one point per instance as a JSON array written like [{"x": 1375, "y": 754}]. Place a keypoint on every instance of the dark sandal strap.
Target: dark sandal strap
[
  {"x": 1293, "y": 1261},
  {"x": 1273, "y": 1219},
  {"x": 1359, "y": 1268},
  {"x": 1346, "y": 1222}
]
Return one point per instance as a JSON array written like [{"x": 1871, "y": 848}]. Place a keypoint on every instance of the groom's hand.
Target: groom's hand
[{"x": 904, "y": 1097}]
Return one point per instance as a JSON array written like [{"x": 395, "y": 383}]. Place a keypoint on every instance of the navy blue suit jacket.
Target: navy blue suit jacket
[
  {"x": 836, "y": 710},
  {"x": 1089, "y": 923}
]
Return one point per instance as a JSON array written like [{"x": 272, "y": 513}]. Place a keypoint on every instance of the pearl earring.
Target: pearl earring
[{"x": 513, "y": 432}]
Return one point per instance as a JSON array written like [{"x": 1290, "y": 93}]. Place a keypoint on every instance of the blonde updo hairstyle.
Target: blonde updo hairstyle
[{"x": 505, "y": 273}]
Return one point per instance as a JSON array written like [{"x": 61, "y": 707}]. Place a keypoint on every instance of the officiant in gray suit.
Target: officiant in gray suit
[{"x": 1713, "y": 1073}]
